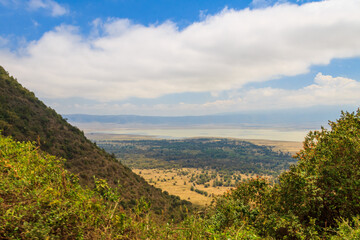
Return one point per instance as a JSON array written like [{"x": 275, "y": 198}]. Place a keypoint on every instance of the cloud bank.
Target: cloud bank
[
  {"x": 120, "y": 60},
  {"x": 326, "y": 90}
]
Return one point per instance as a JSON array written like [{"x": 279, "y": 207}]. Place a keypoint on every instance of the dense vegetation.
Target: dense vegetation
[
  {"x": 317, "y": 199},
  {"x": 26, "y": 118},
  {"x": 208, "y": 153},
  {"x": 39, "y": 199},
  {"x": 312, "y": 198}
]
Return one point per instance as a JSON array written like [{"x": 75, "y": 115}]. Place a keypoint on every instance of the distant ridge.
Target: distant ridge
[
  {"x": 26, "y": 118},
  {"x": 312, "y": 118}
]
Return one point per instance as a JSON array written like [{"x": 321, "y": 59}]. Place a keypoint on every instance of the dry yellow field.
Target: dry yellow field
[
  {"x": 172, "y": 181},
  {"x": 284, "y": 146}
]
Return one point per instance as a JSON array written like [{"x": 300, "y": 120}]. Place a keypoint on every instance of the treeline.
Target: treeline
[{"x": 206, "y": 153}]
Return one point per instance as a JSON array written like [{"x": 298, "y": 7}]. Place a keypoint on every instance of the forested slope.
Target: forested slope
[{"x": 25, "y": 117}]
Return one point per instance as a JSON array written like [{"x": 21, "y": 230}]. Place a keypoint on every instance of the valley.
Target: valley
[
  {"x": 58, "y": 184},
  {"x": 198, "y": 169}
]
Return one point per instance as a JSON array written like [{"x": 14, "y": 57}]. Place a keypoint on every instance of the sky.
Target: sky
[{"x": 184, "y": 57}]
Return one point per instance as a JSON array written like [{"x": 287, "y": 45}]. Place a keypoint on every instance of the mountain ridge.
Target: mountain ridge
[{"x": 288, "y": 118}]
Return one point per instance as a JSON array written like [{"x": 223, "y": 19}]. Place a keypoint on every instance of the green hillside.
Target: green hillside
[{"x": 26, "y": 118}]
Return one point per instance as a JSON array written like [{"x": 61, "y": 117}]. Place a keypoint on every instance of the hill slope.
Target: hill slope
[
  {"x": 41, "y": 200},
  {"x": 25, "y": 117}
]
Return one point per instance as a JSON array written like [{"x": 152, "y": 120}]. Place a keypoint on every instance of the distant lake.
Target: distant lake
[{"x": 281, "y": 134}]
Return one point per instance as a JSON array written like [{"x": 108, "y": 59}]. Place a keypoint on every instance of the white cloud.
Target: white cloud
[
  {"x": 222, "y": 52},
  {"x": 325, "y": 91},
  {"x": 54, "y": 8}
]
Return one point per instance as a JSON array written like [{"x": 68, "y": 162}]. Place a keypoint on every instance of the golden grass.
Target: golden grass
[
  {"x": 174, "y": 184},
  {"x": 284, "y": 146}
]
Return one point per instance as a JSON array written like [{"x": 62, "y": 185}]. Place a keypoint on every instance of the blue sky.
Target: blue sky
[{"x": 182, "y": 57}]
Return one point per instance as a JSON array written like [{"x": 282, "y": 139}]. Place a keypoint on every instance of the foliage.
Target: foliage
[
  {"x": 348, "y": 229},
  {"x": 311, "y": 198},
  {"x": 325, "y": 186},
  {"x": 39, "y": 199}
]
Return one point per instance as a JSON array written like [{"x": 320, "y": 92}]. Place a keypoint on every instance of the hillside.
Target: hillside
[{"x": 26, "y": 118}]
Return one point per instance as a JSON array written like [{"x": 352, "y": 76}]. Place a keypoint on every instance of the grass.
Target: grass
[
  {"x": 284, "y": 146},
  {"x": 175, "y": 183}
]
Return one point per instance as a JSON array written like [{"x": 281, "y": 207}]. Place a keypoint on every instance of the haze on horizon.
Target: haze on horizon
[{"x": 184, "y": 57}]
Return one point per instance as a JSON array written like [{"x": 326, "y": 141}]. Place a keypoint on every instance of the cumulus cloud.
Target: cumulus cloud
[
  {"x": 326, "y": 90},
  {"x": 54, "y": 8},
  {"x": 225, "y": 51}
]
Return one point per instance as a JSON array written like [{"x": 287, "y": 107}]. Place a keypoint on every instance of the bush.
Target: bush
[{"x": 40, "y": 200}]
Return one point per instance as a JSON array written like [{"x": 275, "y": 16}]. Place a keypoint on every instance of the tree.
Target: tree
[
  {"x": 325, "y": 185},
  {"x": 311, "y": 198}
]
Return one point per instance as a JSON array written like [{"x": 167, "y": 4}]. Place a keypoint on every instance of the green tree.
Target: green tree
[
  {"x": 312, "y": 198},
  {"x": 325, "y": 185}
]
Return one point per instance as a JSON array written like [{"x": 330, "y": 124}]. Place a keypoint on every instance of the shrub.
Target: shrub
[{"x": 40, "y": 200}]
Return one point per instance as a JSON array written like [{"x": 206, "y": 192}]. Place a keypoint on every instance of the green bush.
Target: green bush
[{"x": 40, "y": 200}]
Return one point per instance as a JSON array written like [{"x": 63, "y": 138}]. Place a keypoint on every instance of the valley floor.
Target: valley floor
[{"x": 178, "y": 182}]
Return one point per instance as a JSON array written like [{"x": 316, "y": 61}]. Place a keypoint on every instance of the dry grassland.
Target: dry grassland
[
  {"x": 172, "y": 181},
  {"x": 284, "y": 146}
]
